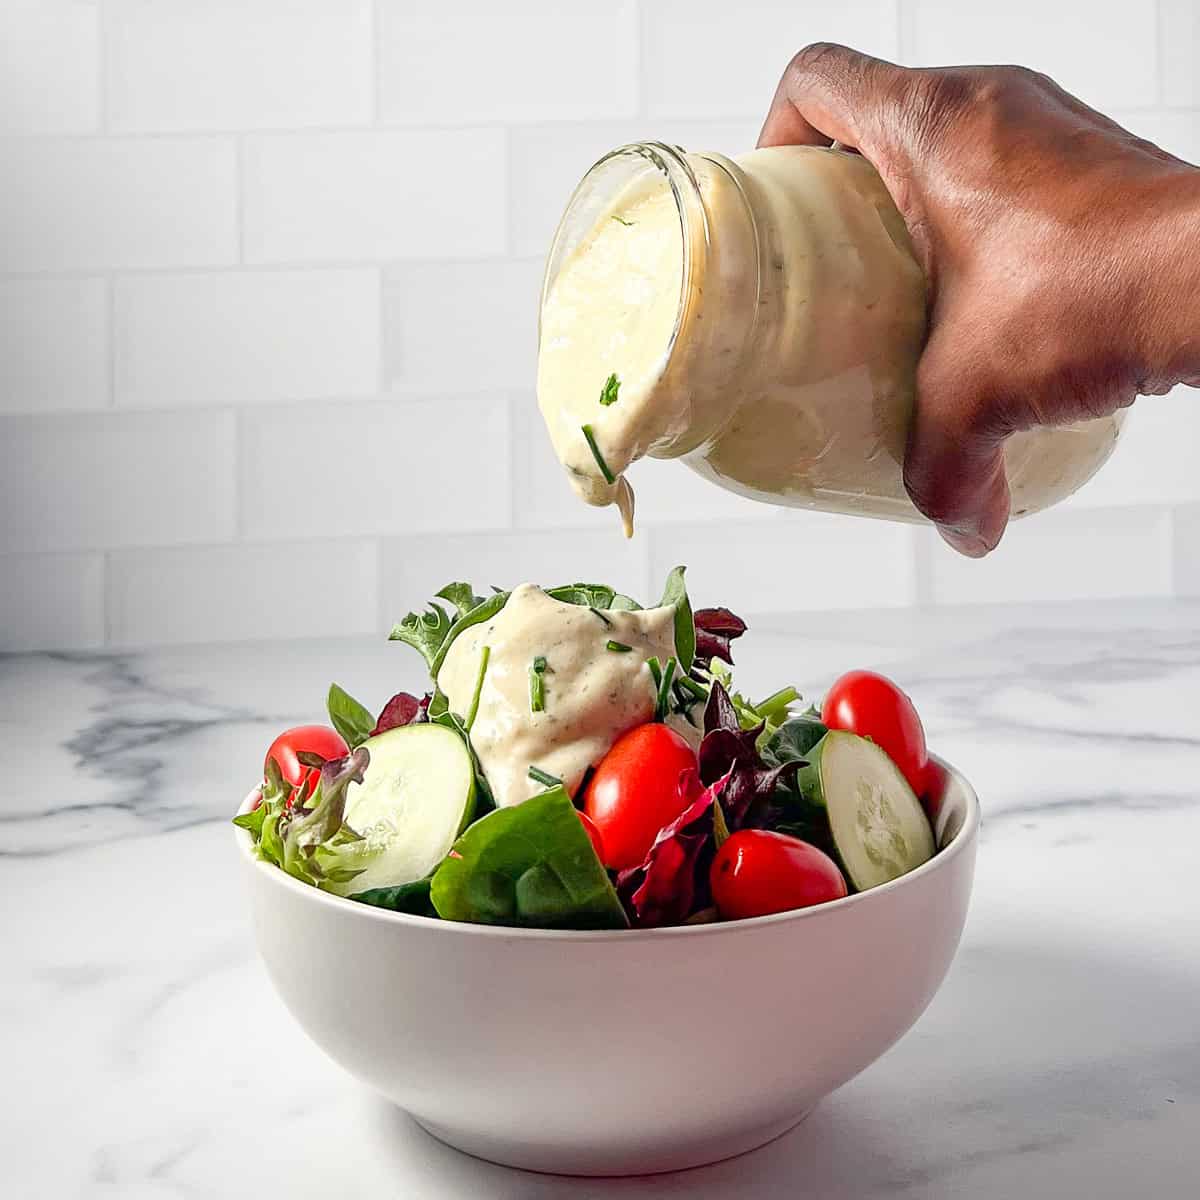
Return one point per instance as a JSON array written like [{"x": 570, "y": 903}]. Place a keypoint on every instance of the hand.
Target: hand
[{"x": 1058, "y": 249}]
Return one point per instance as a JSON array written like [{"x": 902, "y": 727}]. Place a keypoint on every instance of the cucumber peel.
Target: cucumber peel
[
  {"x": 417, "y": 794},
  {"x": 878, "y": 825}
]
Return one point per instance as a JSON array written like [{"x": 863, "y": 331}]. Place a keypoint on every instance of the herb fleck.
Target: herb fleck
[
  {"x": 608, "y": 393},
  {"x": 537, "y": 685},
  {"x": 618, "y": 647},
  {"x": 622, "y": 221},
  {"x": 544, "y": 777},
  {"x": 590, "y": 435}
]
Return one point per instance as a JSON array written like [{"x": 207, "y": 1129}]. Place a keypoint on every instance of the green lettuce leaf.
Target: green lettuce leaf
[
  {"x": 426, "y": 632},
  {"x": 462, "y": 596}
]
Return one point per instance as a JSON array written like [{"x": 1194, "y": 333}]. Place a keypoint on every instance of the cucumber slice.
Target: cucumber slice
[
  {"x": 878, "y": 825},
  {"x": 416, "y": 795}
]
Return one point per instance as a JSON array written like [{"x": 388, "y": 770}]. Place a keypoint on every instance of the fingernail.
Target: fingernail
[{"x": 970, "y": 544}]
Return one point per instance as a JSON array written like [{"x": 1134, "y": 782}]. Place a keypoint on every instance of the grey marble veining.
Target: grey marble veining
[{"x": 147, "y": 1057}]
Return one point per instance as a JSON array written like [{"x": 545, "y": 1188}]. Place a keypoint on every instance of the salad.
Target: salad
[{"x": 581, "y": 762}]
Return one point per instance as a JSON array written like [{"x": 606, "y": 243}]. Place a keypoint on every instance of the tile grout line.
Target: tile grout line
[
  {"x": 384, "y": 340},
  {"x": 239, "y": 184},
  {"x": 110, "y": 340},
  {"x": 239, "y": 471},
  {"x": 375, "y": 26},
  {"x": 102, "y": 68}
]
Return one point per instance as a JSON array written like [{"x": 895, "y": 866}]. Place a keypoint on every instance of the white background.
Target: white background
[{"x": 268, "y": 287}]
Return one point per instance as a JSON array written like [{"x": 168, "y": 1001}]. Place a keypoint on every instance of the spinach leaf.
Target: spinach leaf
[
  {"x": 351, "y": 719},
  {"x": 675, "y": 595},
  {"x": 462, "y": 596},
  {"x": 405, "y": 897},
  {"x": 531, "y": 864},
  {"x": 485, "y": 610},
  {"x": 593, "y": 595},
  {"x": 793, "y": 740}
]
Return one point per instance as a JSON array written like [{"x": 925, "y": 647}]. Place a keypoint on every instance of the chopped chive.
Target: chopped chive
[
  {"x": 618, "y": 647},
  {"x": 484, "y": 655},
  {"x": 608, "y": 393},
  {"x": 776, "y": 701},
  {"x": 655, "y": 670},
  {"x": 544, "y": 777},
  {"x": 599, "y": 614},
  {"x": 664, "y": 691},
  {"x": 622, "y": 221},
  {"x": 590, "y": 435},
  {"x": 537, "y": 686},
  {"x": 694, "y": 686}
]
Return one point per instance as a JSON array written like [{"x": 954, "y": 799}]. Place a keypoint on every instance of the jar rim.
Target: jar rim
[{"x": 671, "y": 162}]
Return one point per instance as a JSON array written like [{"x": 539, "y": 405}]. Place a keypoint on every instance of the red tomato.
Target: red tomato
[
  {"x": 315, "y": 739},
  {"x": 589, "y": 827},
  {"x": 635, "y": 792},
  {"x": 757, "y": 872},
  {"x": 873, "y": 706}
]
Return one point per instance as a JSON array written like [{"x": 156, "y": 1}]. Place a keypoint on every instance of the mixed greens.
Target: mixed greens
[{"x": 705, "y": 805}]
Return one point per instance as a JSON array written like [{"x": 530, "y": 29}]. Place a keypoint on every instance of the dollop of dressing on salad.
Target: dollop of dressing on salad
[{"x": 592, "y": 684}]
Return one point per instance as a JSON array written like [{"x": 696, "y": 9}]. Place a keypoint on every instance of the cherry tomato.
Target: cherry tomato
[
  {"x": 757, "y": 872},
  {"x": 315, "y": 739},
  {"x": 873, "y": 706},
  {"x": 589, "y": 827},
  {"x": 635, "y": 792}
]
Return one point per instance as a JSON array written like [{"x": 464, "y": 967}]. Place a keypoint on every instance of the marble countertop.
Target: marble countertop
[{"x": 147, "y": 1057}]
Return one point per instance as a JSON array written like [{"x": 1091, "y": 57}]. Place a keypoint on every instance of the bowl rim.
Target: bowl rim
[{"x": 958, "y": 845}]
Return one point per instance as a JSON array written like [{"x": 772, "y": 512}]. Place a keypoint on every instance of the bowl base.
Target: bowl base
[{"x": 609, "y": 1161}]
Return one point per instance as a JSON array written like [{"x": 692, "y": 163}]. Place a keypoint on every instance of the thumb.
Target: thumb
[
  {"x": 829, "y": 92},
  {"x": 954, "y": 467}
]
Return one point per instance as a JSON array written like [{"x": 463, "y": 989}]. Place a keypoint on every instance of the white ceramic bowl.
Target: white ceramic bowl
[{"x": 615, "y": 1053}]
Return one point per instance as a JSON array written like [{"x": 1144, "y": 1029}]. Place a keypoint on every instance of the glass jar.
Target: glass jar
[{"x": 761, "y": 319}]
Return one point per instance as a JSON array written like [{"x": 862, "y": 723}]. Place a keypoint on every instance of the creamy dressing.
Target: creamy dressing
[
  {"x": 633, "y": 259},
  {"x": 765, "y": 316},
  {"x": 591, "y": 694}
]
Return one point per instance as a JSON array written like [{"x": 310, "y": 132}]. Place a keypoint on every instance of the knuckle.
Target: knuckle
[
  {"x": 817, "y": 57},
  {"x": 933, "y": 100}
]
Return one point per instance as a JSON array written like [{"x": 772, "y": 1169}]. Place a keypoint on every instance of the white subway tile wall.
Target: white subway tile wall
[
  {"x": 241, "y": 337},
  {"x": 268, "y": 307},
  {"x": 49, "y": 67}
]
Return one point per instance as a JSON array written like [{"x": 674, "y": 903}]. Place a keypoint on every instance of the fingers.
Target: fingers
[
  {"x": 828, "y": 92},
  {"x": 954, "y": 468}
]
